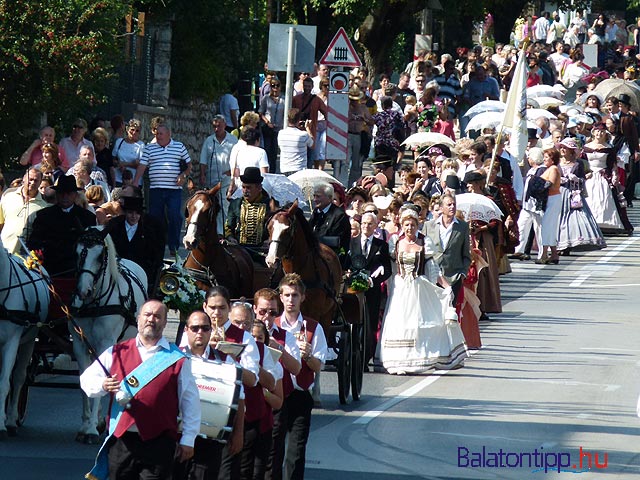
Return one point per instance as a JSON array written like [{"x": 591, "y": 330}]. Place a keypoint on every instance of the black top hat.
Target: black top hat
[
  {"x": 624, "y": 98},
  {"x": 132, "y": 203},
  {"x": 251, "y": 175},
  {"x": 66, "y": 184},
  {"x": 452, "y": 181},
  {"x": 474, "y": 176},
  {"x": 532, "y": 133}
]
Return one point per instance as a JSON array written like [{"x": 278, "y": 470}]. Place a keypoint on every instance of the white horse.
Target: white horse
[
  {"x": 109, "y": 294},
  {"x": 24, "y": 301}
]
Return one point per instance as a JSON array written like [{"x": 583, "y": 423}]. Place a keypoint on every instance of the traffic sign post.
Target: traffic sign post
[{"x": 340, "y": 52}]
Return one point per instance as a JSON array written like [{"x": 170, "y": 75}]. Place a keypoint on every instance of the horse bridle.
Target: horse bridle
[
  {"x": 200, "y": 237},
  {"x": 289, "y": 244},
  {"x": 88, "y": 241}
]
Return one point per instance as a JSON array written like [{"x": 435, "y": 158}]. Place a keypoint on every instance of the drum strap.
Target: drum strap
[{"x": 140, "y": 377}]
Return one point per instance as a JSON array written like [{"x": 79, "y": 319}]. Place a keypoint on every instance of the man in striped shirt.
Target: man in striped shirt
[{"x": 169, "y": 166}]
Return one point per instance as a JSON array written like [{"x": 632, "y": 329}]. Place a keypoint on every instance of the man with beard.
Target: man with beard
[
  {"x": 247, "y": 220},
  {"x": 151, "y": 383}
]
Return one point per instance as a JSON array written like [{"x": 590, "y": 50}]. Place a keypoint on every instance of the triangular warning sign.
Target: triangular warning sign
[{"x": 340, "y": 52}]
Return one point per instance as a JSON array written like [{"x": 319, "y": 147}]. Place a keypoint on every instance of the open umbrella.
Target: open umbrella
[
  {"x": 485, "y": 120},
  {"x": 308, "y": 179},
  {"x": 613, "y": 87},
  {"x": 534, "y": 113},
  {"x": 477, "y": 207},
  {"x": 544, "y": 91},
  {"x": 424, "y": 139},
  {"x": 485, "y": 106},
  {"x": 279, "y": 187},
  {"x": 546, "y": 102}
]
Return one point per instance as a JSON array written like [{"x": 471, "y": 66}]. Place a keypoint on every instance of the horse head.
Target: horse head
[
  {"x": 201, "y": 212},
  {"x": 281, "y": 229},
  {"x": 91, "y": 254}
]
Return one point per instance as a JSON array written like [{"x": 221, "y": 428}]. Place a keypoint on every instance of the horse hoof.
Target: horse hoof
[
  {"x": 12, "y": 431},
  {"x": 3, "y": 435},
  {"x": 91, "y": 439},
  {"x": 81, "y": 437}
]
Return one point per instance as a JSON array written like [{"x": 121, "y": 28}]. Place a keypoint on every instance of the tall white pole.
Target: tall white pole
[{"x": 291, "y": 56}]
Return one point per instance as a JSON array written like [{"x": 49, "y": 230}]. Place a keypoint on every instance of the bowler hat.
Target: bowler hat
[
  {"x": 624, "y": 98},
  {"x": 251, "y": 175},
  {"x": 66, "y": 184},
  {"x": 132, "y": 203},
  {"x": 532, "y": 133},
  {"x": 452, "y": 181}
]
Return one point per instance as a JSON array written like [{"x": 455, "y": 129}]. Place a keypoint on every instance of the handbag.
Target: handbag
[{"x": 575, "y": 199}]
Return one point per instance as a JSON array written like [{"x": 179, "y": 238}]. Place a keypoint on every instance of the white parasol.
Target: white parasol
[
  {"x": 477, "y": 207},
  {"x": 485, "y": 106},
  {"x": 425, "y": 139},
  {"x": 309, "y": 178},
  {"x": 535, "y": 113},
  {"x": 546, "y": 102},
  {"x": 279, "y": 187},
  {"x": 544, "y": 91},
  {"x": 485, "y": 120}
]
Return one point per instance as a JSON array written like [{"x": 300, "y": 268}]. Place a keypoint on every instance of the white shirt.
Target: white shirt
[
  {"x": 72, "y": 151},
  {"x": 293, "y": 144},
  {"x": 214, "y": 157},
  {"x": 131, "y": 229},
  {"x": 188, "y": 398},
  {"x": 250, "y": 156},
  {"x": 445, "y": 232},
  {"x": 250, "y": 358},
  {"x": 127, "y": 153},
  {"x": 290, "y": 344},
  {"x": 318, "y": 342}
]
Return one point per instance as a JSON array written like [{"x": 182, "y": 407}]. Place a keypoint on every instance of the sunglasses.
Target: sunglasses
[
  {"x": 419, "y": 81},
  {"x": 275, "y": 85},
  {"x": 198, "y": 328},
  {"x": 78, "y": 126},
  {"x": 264, "y": 311}
]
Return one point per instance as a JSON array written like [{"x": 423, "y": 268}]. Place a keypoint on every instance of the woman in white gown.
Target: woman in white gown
[
  {"x": 416, "y": 337},
  {"x": 597, "y": 184}
]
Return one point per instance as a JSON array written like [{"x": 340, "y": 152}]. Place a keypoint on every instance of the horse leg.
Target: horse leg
[
  {"x": 9, "y": 351},
  {"x": 82, "y": 357},
  {"x": 23, "y": 357}
]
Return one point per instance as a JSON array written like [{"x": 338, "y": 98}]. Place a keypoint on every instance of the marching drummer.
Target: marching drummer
[
  {"x": 208, "y": 452},
  {"x": 313, "y": 350},
  {"x": 217, "y": 305}
]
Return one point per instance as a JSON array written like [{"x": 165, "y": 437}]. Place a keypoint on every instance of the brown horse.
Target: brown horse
[
  {"x": 209, "y": 261},
  {"x": 293, "y": 242}
]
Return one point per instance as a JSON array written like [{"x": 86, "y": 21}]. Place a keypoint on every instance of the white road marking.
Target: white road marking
[
  {"x": 366, "y": 417},
  {"x": 594, "y": 268}
]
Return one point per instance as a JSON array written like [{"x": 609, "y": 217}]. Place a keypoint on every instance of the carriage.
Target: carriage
[{"x": 292, "y": 248}]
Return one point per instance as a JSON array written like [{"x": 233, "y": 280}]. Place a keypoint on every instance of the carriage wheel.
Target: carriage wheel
[
  {"x": 357, "y": 359},
  {"x": 344, "y": 364}
]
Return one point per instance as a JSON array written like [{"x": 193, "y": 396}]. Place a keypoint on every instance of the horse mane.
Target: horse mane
[
  {"x": 304, "y": 225},
  {"x": 112, "y": 257}
]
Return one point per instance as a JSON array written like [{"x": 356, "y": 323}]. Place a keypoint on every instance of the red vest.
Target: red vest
[
  {"x": 280, "y": 336},
  {"x": 154, "y": 410},
  {"x": 305, "y": 378}
]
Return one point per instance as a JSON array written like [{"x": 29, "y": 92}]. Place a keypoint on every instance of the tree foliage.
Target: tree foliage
[{"x": 55, "y": 57}]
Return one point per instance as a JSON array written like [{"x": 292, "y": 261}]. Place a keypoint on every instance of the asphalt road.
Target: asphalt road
[{"x": 556, "y": 374}]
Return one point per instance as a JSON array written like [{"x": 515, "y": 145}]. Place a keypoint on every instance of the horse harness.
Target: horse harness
[
  {"x": 127, "y": 303},
  {"x": 23, "y": 318}
]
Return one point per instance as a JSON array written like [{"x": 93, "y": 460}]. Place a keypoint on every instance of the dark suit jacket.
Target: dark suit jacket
[
  {"x": 455, "y": 259},
  {"x": 334, "y": 224},
  {"x": 146, "y": 248},
  {"x": 378, "y": 257},
  {"x": 629, "y": 129},
  {"x": 56, "y": 232}
]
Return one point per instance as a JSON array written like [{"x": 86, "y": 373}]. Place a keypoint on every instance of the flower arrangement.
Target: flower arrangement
[
  {"x": 359, "y": 281},
  {"x": 34, "y": 260},
  {"x": 427, "y": 117},
  {"x": 187, "y": 297}
]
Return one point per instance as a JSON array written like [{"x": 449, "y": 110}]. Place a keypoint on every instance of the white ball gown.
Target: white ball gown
[{"x": 416, "y": 337}]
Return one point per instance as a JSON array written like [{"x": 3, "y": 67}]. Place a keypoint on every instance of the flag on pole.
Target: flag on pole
[{"x": 515, "y": 114}]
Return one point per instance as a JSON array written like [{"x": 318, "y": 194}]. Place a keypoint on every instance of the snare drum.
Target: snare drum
[{"x": 219, "y": 386}]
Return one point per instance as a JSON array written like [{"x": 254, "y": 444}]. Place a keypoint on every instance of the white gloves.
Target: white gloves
[{"x": 377, "y": 272}]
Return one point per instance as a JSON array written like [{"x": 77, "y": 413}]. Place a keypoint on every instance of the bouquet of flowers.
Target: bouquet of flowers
[
  {"x": 185, "y": 295},
  {"x": 427, "y": 116},
  {"x": 359, "y": 281}
]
